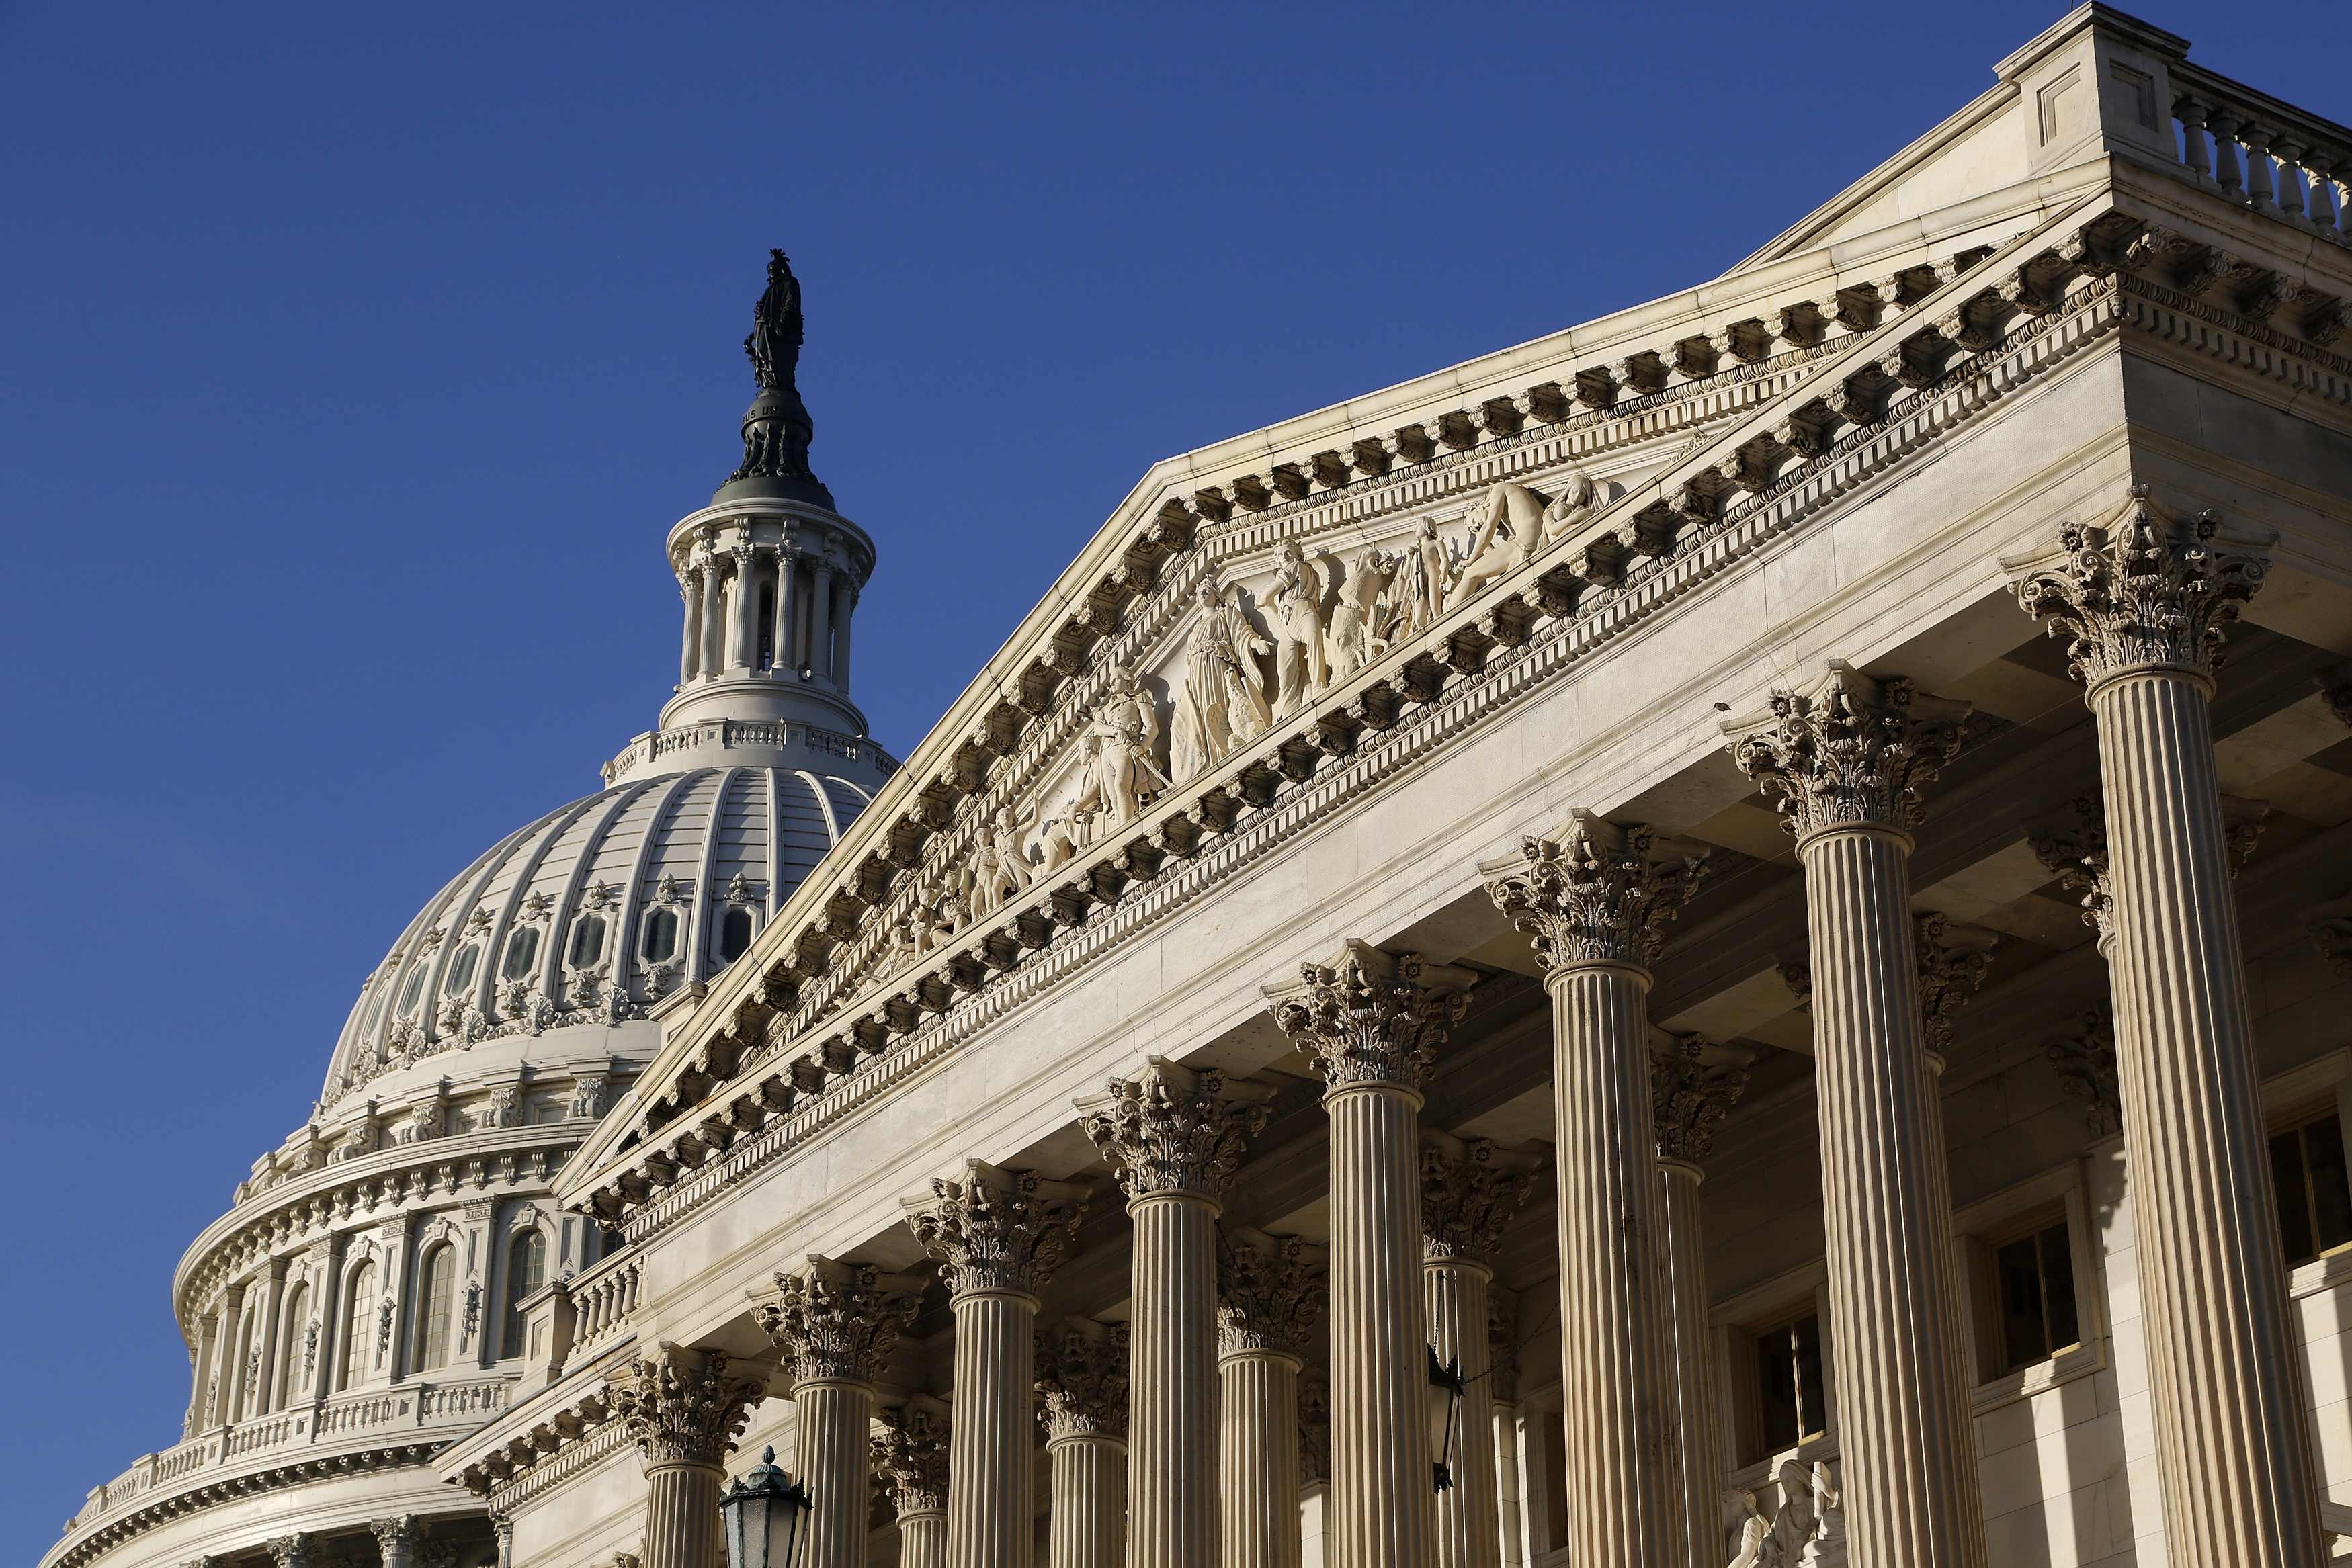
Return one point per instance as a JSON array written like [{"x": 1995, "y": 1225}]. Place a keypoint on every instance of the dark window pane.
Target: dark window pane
[
  {"x": 2058, "y": 1288},
  {"x": 587, "y": 941},
  {"x": 1812, "y": 1388},
  {"x": 2331, "y": 1195},
  {"x": 522, "y": 951},
  {"x": 2024, "y": 1340},
  {"x": 734, "y": 935},
  {"x": 1778, "y": 1419},
  {"x": 661, "y": 936},
  {"x": 2293, "y": 1201}
]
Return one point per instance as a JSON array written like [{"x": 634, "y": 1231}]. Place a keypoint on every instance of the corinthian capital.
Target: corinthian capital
[
  {"x": 683, "y": 1407},
  {"x": 298, "y": 1550},
  {"x": 1469, "y": 1191},
  {"x": 1849, "y": 751},
  {"x": 1596, "y": 894},
  {"x": 911, "y": 1454},
  {"x": 1952, "y": 964},
  {"x": 1371, "y": 1017},
  {"x": 997, "y": 1229},
  {"x": 2145, "y": 590},
  {"x": 1082, "y": 1375},
  {"x": 1169, "y": 1129},
  {"x": 1692, "y": 1086},
  {"x": 839, "y": 1321},
  {"x": 401, "y": 1533},
  {"x": 1271, "y": 1293},
  {"x": 2086, "y": 1061},
  {"x": 2074, "y": 849},
  {"x": 2335, "y": 690}
]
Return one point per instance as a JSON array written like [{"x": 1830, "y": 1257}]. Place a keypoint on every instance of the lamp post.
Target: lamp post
[
  {"x": 1446, "y": 1387},
  {"x": 764, "y": 1514}
]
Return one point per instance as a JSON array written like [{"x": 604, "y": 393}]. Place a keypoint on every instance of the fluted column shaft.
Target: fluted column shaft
[
  {"x": 1467, "y": 1513},
  {"x": 2233, "y": 1448},
  {"x": 1510, "y": 1495},
  {"x": 741, "y": 595},
  {"x": 713, "y": 659},
  {"x": 1085, "y": 1528},
  {"x": 1905, "y": 1434},
  {"x": 1173, "y": 1421},
  {"x": 1382, "y": 1511},
  {"x": 923, "y": 1539},
  {"x": 1700, "y": 1401},
  {"x": 682, "y": 1526},
  {"x": 787, "y": 622},
  {"x": 835, "y": 1420},
  {"x": 1258, "y": 1396},
  {"x": 1622, "y": 1455},
  {"x": 689, "y": 651},
  {"x": 991, "y": 1495}
]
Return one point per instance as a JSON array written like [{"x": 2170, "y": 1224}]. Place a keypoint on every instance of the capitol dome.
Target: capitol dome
[{"x": 359, "y": 1304}]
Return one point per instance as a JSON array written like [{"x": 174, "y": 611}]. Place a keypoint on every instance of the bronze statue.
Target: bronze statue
[{"x": 774, "y": 345}]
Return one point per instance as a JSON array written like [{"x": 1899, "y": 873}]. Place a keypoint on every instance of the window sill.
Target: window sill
[
  {"x": 2076, "y": 1361},
  {"x": 1762, "y": 1475},
  {"x": 2324, "y": 1273}
]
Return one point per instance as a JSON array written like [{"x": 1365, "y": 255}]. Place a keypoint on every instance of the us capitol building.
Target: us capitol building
[{"x": 1719, "y": 938}]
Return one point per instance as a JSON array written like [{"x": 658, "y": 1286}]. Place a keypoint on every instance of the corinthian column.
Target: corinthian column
[
  {"x": 684, "y": 1409},
  {"x": 2143, "y": 602},
  {"x": 1373, "y": 1022},
  {"x": 1845, "y": 762},
  {"x": 911, "y": 1454},
  {"x": 1596, "y": 904},
  {"x": 999, "y": 1235},
  {"x": 1082, "y": 1372},
  {"x": 1175, "y": 1137},
  {"x": 396, "y": 1540},
  {"x": 1692, "y": 1086},
  {"x": 1468, "y": 1193},
  {"x": 1271, "y": 1306},
  {"x": 837, "y": 1323}
]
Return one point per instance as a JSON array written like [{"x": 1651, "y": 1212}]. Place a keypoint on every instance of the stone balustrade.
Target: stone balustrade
[
  {"x": 728, "y": 733},
  {"x": 2253, "y": 150},
  {"x": 601, "y": 1301}
]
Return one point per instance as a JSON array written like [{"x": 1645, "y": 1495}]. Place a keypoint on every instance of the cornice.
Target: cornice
[{"x": 1469, "y": 666}]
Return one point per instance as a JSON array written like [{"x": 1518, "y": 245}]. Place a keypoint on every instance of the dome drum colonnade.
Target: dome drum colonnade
[{"x": 1849, "y": 760}]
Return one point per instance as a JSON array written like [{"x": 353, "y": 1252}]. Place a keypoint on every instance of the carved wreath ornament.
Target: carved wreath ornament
[
  {"x": 2148, "y": 590},
  {"x": 1366, "y": 1027}
]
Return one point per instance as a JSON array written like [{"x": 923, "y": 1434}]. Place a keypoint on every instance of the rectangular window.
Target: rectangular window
[
  {"x": 1792, "y": 1396},
  {"x": 2314, "y": 1196},
  {"x": 2033, "y": 1281}
]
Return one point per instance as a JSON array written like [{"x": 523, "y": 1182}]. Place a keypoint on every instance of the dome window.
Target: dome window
[
  {"x": 440, "y": 1290},
  {"x": 359, "y": 1306},
  {"x": 587, "y": 941},
  {"x": 526, "y": 1272},
  {"x": 461, "y": 968},
  {"x": 735, "y": 931},
  {"x": 411, "y": 989},
  {"x": 523, "y": 954},
  {"x": 661, "y": 937}
]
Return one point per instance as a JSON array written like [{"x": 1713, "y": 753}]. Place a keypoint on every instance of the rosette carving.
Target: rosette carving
[
  {"x": 910, "y": 1455},
  {"x": 1851, "y": 751},
  {"x": 1468, "y": 1193},
  {"x": 1692, "y": 1086},
  {"x": 1271, "y": 1292},
  {"x": 1595, "y": 894},
  {"x": 997, "y": 1229},
  {"x": 2146, "y": 590},
  {"x": 1082, "y": 1377},
  {"x": 1171, "y": 1129},
  {"x": 683, "y": 1407},
  {"x": 839, "y": 1321},
  {"x": 1370, "y": 1016}
]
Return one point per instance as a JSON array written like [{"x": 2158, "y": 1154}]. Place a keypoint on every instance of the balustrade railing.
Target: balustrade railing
[
  {"x": 601, "y": 1301},
  {"x": 2253, "y": 150},
  {"x": 468, "y": 1403}
]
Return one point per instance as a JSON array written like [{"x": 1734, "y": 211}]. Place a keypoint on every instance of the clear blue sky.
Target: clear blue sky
[{"x": 353, "y": 362}]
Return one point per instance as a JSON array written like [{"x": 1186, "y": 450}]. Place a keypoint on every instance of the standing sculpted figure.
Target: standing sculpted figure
[
  {"x": 1354, "y": 640},
  {"x": 1417, "y": 595},
  {"x": 1222, "y": 702},
  {"x": 1296, "y": 607},
  {"x": 1121, "y": 748}
]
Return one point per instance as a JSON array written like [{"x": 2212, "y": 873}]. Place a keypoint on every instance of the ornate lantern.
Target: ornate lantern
[
  {"x": 765, "y": 1513},
  {"x": 1446, "y": 1386}
]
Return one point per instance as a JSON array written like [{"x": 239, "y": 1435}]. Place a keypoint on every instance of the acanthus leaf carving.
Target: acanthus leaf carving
[
  {"x": 1850, "y": 751},
  {"x": 1082, "y": 1375},
  {"x": 1373, "y": 1017},
  {"x": 997, "y": 1229},
  {"x": 1596, "y": 894},
  {"x": 1171, "y": 1129},
  {"x": 839, "y": 1321},
  {"x": 1271, "y": 1292}
]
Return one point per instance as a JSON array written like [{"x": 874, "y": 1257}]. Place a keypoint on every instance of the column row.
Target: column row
[{"x": 752, "y": 609}]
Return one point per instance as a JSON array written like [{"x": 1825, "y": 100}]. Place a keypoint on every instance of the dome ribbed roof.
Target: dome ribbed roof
[{"x": 595, "y": 910}]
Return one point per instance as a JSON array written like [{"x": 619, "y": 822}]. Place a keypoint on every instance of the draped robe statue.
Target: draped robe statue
[{"x": 1222, "y": 703}]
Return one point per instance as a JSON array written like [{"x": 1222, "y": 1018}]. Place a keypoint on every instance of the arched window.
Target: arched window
[
  {"x": 522, "y": 953},
  {"x": 440, "y": 1282},
  {"x": 461, "y": 968},
  {"x": 359, "y": 1323},
  {"x": 293, "y": 1326},
  {"x": 526, "y": 1272},
  {"x": 734, "y": 934},
  {"x": 587, "y": 941},
  {"x": 661, "y": 936}
]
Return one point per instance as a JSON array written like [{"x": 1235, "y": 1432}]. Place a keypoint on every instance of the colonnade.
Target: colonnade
[
  {"x": 804, "y": 624},
  {"x": 1179, "y": 1432}
]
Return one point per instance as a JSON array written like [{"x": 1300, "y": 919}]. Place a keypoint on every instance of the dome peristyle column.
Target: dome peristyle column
[{"x": 684, "y": 1409}]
